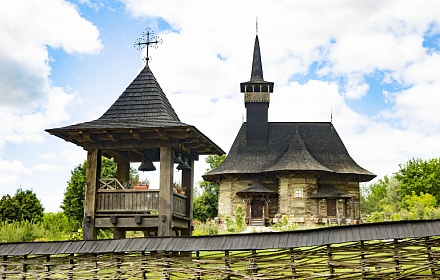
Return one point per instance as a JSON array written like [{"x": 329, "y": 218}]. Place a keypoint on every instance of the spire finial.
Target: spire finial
[
  {"x": 256, "y": 26},
  {"x": 147, "y": 39}
]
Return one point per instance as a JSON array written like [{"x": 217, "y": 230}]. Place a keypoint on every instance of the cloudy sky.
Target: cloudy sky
[{"x": 373, "y": 65}]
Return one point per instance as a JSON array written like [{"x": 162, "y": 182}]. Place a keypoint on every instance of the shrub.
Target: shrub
[{"x": 208, "y": 228}]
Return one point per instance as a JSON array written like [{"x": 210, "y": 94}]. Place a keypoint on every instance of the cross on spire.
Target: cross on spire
[{"x": 146, "y": 40}]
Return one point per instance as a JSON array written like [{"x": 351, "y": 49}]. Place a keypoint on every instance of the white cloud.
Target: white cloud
[
  {"x": 29, "y": 101},
  {"x": 349, "y": 41}
]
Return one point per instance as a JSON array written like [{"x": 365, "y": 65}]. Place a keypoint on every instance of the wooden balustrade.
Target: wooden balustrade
[
  {"x": 128, "y": 201},
  {"x": 179, "y": 204}
]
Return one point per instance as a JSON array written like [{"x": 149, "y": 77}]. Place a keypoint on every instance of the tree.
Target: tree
[
  {"x": 380, "y": 196},
  {"x": 205, "y": 206},
  {"x": 23, "y": 206},
  {"x": 419, "y": 176},
  {"x": 73, "y": 201}
]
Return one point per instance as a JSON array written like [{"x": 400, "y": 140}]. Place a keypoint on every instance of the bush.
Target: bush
[
  {"x": 20, "y": 231},
  {"x": 208, "y": 228}
]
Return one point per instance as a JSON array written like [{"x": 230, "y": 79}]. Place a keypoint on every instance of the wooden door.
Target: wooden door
[
  {"x": 257, "y": 209},
  {"x": 331, "y": 207}
]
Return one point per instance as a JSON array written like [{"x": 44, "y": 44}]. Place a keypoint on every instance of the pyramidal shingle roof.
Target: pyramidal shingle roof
[
  {"x": 143, "y": 98},
  {"x": 142, "y": 105}
]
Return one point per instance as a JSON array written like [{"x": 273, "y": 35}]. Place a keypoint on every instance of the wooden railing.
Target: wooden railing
[
  {"x": 179, "y": 204},
  {"x": 128, "y": 201}
]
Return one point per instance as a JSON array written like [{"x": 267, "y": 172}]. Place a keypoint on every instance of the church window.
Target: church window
[{"x": 298, "y": 193}]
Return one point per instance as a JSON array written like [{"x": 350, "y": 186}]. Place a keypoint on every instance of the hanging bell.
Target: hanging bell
[
  {"x": 183, "y": 165},
  {"x": 178, "y": 158},
  {"x": 146, "y": 164}
]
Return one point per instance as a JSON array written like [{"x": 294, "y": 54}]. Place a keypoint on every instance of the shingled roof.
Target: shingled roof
[
  {"x": 292, "y": 146},
  {"x": 142, "y": 113},
  {"x": 142, "y": 104}
]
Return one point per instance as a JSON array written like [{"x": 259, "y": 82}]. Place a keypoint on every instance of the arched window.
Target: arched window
[
  {"x": 264, "y": 88},
  {"x": 249, "y": 89},
  {"x": 256, "y": 88}
]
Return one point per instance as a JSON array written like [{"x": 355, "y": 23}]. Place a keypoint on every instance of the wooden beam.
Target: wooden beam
[
  {"x": 188, "y": 184},
  {"x": 131, "y": 144},
  {"x": 110, "y": 135},
  {"x": 166, "y": 191},
  {"x": 92, "y": 182},
  {"x": 164, "y": 135},
  {"x": 127, "y": 223}
]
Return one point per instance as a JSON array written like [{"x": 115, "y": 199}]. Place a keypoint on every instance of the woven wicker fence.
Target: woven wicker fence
[{"x": 411, "y": 258}]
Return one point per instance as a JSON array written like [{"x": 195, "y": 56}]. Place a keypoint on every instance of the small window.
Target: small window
[
  {"x": 298, "y": 193},
  {"x": 249, "y": 89},
  {"x": 264, "y": 89},
  {"x": 256, "y": 88}
]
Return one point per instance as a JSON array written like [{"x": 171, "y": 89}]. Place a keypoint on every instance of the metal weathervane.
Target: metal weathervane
[{"x": 148, "y": 39}]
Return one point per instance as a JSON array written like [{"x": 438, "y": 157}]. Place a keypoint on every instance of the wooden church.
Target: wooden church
[
  {"x": 298, "y": 169},
  {"x": 141, "y": 126}
]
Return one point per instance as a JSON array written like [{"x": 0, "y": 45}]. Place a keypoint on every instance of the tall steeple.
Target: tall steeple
[{"x": 256, "y": 100}]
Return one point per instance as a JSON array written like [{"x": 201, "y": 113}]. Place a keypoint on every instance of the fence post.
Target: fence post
[
  {"x": 293, "y": 264},
  {"x": 363, "y": 259},
  {"x": 198, "y": 265},
  {"x": 330, "y": 260},
  {"x": 228, "y": 265},
  {"x": 47, "y": 266},
  {"x": 254, "y": 265},
  {"x": 397, "y": 257},
  {"x": 71, "y": 267},
  {"x": 432, "y": 263},
  {"x": 24, "y": 268},
  {"x": 143, "y": 267},
  {"x": 4, "y": 266}
]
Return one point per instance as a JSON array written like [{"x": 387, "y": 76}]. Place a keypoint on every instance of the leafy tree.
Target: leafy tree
[
  {"x": 419, "y": 176},
  {"x": 380, "y": 196},
  {"x": 73, "y": 201},
  {"x": 23, "y": 206},
  {"x": 205, "y": 206}
]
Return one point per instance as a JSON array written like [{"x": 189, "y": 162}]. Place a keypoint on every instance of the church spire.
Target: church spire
[
  {"x": 257, "y": 68},
  {"x": 256, "y": 100}
]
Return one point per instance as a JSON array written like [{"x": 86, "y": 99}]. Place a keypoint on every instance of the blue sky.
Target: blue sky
[{"x": 373, "y": 65}]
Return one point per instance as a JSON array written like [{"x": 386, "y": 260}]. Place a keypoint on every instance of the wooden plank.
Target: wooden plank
[
  {"x": 87, "y": 247},
  {"x": 122, "y": 246}
]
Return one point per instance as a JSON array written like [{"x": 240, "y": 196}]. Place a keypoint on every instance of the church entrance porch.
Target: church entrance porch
[{"x": 256, "y": 199}]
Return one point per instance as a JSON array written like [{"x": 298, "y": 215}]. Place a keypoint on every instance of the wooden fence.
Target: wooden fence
[{"x": 403, "y": 250}]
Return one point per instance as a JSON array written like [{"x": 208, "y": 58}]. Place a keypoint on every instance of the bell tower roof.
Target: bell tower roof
[{"x": 257, "y": 68}]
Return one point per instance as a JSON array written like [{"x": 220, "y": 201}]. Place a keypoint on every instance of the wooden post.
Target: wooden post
[
  {"x": 330, "y": 260},
  {"x": 92, "y": 180},
  {"x": 432, "y": 261},
  {"x": 123, "y": 175},
  {"x": 397, "y": 257},
  {"x": 293, "y": 264},
  {"x": 47, "y": 268},
  {"x": 4, "y": 266},
  {"x": 71, "y": 266},
  {"x": 228, "y": 264},
  {"x": 166, "y": 191},
  {"x": 188, "y": 184},
  {"x": 24, "y": 268}
]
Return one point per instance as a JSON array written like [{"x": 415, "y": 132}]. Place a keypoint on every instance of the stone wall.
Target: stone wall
[{"x": 294, "y": 196}]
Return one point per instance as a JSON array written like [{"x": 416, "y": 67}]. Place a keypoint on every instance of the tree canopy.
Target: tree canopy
[
  {"x": 73, "y": 201},
  {"x": 412, "y": 193},
  {"x": 205, "y": 206},
  {"x": 23, "y": 206},
  {"x": 418, "y": 176}
]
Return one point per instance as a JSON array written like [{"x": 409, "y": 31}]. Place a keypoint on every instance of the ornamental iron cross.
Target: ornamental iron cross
[{"x": 147, "y": 39}]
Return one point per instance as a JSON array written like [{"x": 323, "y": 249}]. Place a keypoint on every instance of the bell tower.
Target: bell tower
[{"x": 256, "y": 100}]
